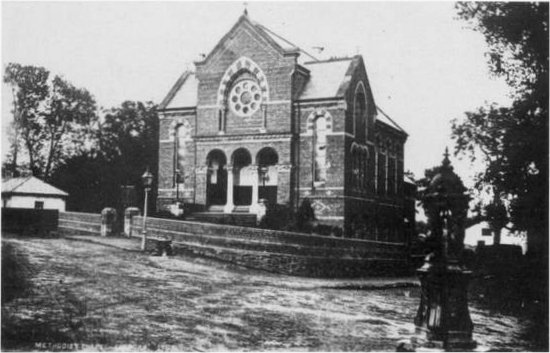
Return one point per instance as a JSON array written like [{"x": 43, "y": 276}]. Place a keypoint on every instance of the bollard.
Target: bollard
[
  {"x": 108, "y": 219},
  {"x": 129, "y": 213}
]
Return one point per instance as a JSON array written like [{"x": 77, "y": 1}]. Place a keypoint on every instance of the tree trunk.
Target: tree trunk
[{"x": 498, "y": 232}]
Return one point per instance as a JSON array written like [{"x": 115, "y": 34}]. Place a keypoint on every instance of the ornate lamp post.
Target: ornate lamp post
[
  {"x": 443, "y": 319},
  {"x": 147, "y": 180}
]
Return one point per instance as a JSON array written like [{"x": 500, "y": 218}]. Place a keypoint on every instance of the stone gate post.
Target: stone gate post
[{"x": 108, "y": 219}]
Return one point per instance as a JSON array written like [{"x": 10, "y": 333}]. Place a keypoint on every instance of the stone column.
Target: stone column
[
  {"x": 108, "y": 219},
  {"x": 229, "y": 203},
  {"x": 200, "y": 184},
  {"x": 129, "y": 213},
  {"x": 254, "y": 203}
]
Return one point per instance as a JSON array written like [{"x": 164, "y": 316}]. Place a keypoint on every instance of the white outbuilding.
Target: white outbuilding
[
  {"x": 31, "y": 192},
  {"x": 482, "y": 232}
]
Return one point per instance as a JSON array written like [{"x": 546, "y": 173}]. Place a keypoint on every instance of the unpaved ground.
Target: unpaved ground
[{"x": 91, "y": 297}]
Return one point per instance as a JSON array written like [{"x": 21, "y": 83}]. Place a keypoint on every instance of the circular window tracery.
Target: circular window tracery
[{"x": 245, "y": 98}]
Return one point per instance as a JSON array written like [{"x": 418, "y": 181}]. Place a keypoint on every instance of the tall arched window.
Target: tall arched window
[
  {"x": 320, "y": 149},
  {"x": 180, "y": 152},
  {"x": 359, "y": 106}
]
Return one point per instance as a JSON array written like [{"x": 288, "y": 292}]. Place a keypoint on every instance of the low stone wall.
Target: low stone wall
[
  {"x": 278, "y": 251},
  {"x": 79, "y": 223}
]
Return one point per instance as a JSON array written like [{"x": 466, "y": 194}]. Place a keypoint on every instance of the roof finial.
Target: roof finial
[
  {"x": 446, "y": 161},
  {"x": 245, "y": 8}
]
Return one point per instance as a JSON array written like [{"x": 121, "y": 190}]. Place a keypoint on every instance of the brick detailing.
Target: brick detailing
[
  {"x": 281, "y": 252},
  {"x": 240, "y": 65}
]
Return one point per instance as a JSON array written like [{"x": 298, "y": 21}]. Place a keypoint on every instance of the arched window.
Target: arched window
[
  {"x": 359, "y": 106},
  {"x": 381, "y": 169},
  {"x": 364, "y": 154},
  {"x": 320, "y": 149},
  {"x": 354, "y": 166},
  {"x": 182, "y": 135}
]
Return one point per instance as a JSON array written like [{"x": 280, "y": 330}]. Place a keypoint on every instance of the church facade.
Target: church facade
[{"x": 261, "y": 119}]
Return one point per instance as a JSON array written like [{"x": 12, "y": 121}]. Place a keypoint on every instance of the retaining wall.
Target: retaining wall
[
  {"x": 278, "y": 251},
  {"x": 79, "y": 223}
]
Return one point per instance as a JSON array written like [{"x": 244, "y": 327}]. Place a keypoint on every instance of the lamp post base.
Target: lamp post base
[{"x": 143, "y": 239}]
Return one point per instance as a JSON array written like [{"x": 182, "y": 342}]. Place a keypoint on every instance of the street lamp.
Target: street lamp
[{"x": 147, "y": 180}]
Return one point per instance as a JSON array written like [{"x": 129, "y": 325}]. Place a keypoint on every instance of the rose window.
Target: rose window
[{"x": 245, "y": 97}]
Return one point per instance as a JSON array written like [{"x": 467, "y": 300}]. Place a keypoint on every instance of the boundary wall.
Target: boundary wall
[
  {"x": 279, "y": 251},
  {"x": 79, "y": 223}
]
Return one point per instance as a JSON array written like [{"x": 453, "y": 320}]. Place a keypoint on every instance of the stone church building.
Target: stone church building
[{"x": 261, "y": 119}]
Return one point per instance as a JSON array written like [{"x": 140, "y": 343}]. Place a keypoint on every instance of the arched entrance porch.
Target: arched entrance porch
[{"x": 242, "y": 177}]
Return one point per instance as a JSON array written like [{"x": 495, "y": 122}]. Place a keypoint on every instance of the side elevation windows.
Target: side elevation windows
[
  {"x": 320, "y": 149},
  {"x": 359, "y": 109}
]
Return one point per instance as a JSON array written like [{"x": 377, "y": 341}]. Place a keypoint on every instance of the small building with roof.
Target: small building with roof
[
  {"x": 260, "y": 118},
  {"x": 482, "y": 233},
  {"x": 31, "y": 192}
]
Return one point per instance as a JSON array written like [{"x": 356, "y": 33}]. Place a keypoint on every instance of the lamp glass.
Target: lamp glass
[{"x": 147, "y": 178}]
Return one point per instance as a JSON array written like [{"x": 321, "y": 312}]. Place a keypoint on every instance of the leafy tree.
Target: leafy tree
[
  {"x": 129, "y": 137},
  {"x": 52, "y": 118},
  {"x": 126, "y": 144},
  {"x": 513, "y": 141},
  {"x": 29, "y": 88},
  {"x": 497, "y": 217}
]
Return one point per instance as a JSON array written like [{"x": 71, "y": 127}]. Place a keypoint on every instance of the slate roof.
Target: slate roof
[
  {"x": 183, "y": 94},
  {"x": 283, "y": 43},
  {"x": 384, "y": 118},
  {"x": 30, "y": 185},
  {"x": 327, "y": 78}
]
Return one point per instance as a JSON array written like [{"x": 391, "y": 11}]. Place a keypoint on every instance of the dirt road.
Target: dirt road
[{"x": 87, "y": 296}]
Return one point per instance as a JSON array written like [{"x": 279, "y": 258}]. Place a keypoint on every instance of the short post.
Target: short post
[
  {"x": 147, "y": 179},
  {"x": 443, "y": 319},
  {"x": 108, "y": 219},
  {"x": 129, "y": 213}
]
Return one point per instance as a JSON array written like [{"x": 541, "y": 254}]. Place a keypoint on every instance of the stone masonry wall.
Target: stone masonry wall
[
  {"x": 281, "y": 252},
  {"x": 74, "y": 223}
]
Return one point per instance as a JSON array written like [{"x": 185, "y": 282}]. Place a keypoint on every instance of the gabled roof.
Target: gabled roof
[
  {"x": 183, "y": 94},
  {"x": 384, "y": 118},
  {"x": 30, "y": 185},
  {"x": 282, "y": 42},
  {"x": 277, "y": 42},
  {"x": 327, "y": 79}
]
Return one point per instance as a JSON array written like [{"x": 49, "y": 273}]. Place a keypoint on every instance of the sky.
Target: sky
[{"x": 425, "y": 66}]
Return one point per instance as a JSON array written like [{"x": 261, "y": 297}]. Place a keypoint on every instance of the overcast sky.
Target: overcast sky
[{"x": 425, "y": 67}]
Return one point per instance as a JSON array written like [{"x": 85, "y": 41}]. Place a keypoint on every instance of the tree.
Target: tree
[
  {"x": 513, "y": 141},
  {"x": 29, "y": 88},
  {"x": 53, "y": 118},
  {"x": 495, "y": 213},
  {"x": 126, "y": 144}
]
